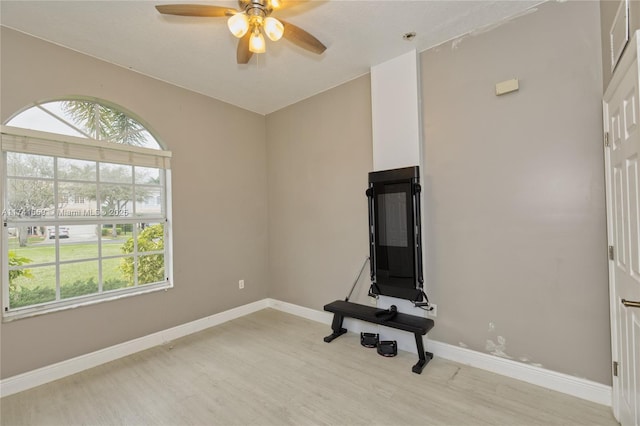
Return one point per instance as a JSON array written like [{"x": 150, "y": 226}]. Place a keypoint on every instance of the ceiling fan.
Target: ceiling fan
[{"x": 248, "y": 23}]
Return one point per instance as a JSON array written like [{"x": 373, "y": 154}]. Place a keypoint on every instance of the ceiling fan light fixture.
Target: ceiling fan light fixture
[
  {"x": 273, "y": 28},
  {"x": 250, "y": 22},
  {"x": 257, "y": 43},
  {"x": 238, "y": 24}
]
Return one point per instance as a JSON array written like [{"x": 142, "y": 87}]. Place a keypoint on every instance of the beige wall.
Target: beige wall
[
  {"x": 514, "y": 195},
  {"x": 219, "y": 202},
  {"x": 516, "y": 207},
  {"x": 319, "y": 154},
  {"x": 608, "y": 9},
  {"x": 513, "y": 199}
]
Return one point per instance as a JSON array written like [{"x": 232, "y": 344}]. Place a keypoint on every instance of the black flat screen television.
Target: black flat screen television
[{"x": 395, "y": 234}]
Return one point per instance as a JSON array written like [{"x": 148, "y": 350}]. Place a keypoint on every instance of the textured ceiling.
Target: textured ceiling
[{"x": 199, "y": 53}]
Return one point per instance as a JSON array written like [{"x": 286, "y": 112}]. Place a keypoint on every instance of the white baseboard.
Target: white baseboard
[
  {"x": 52, "y": 372},
  {"x": 575, "y": 386},
  {"x": 301, "y": 311},
  {"x": 570, "y": 385},
  {"x": 581, "y": 388},
  {"x": 354, "y": 326}
]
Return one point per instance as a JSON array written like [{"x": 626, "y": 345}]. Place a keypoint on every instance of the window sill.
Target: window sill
[{"x": 79, "y": 302}]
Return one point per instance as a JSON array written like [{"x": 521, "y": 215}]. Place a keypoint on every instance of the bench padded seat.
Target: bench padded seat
[{"x": 405, "y": 322}]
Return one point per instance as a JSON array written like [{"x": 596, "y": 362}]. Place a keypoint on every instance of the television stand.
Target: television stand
[{"x": 419, "y": 326}]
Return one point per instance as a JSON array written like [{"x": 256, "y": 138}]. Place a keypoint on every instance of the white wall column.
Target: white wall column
[
  {"x": 397, "y": 142},
  {"x": 395, "y": 104}
]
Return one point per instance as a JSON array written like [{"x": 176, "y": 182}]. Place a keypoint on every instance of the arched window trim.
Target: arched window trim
[
  {"x": 60, "y": 146},
  {"x": 41, "y": 106}
]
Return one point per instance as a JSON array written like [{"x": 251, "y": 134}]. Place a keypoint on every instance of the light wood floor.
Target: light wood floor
[{"x": 271, "y": 368}]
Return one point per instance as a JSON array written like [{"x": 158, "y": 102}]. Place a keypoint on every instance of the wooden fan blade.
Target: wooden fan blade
[
  {"x": 289, "y": 4},
  {"x": 200, "y": 10},
  {"x": 302, "y": 38},
  {"x": 279, "y": 4},
  {"x": 244, "y": 54}
]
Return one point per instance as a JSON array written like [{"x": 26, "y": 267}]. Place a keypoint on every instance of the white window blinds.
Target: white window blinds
[{"x": 41, "y": 143}]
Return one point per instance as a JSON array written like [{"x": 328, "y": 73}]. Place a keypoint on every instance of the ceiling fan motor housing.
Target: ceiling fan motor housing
[{"x": 261, "y": 8}]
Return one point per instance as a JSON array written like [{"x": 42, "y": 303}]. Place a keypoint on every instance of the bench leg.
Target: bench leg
[
  {"x": 336, "y": 326},
  {"x": 424, "y": 357}
]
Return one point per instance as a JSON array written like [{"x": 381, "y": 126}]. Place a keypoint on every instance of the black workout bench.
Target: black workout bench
[{"x": 419, "y": 326}]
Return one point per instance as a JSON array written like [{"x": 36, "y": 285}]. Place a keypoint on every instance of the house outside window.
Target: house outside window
[{"x": 77, "y": 225}]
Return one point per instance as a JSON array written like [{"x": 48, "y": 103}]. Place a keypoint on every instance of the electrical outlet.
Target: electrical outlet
[
  {"x": 241, "y": 284},
  {"x": 434, "y": 311}
]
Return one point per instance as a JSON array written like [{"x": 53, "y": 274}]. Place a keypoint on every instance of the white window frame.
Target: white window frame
[{"x": 26, "y": 141}]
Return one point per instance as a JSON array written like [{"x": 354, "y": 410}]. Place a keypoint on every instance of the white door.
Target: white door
[{"x": 622, "y": 158}]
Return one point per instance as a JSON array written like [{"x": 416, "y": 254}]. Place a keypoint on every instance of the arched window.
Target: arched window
[{"x": 86, "y": 207}]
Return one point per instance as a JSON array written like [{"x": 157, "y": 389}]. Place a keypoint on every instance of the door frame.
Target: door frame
[{"x": 628, "y": 58}]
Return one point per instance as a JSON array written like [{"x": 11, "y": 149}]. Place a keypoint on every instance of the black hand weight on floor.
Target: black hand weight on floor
[
  {"x": 369, "y": 340},
  {"x": 388, "y": 348}
]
